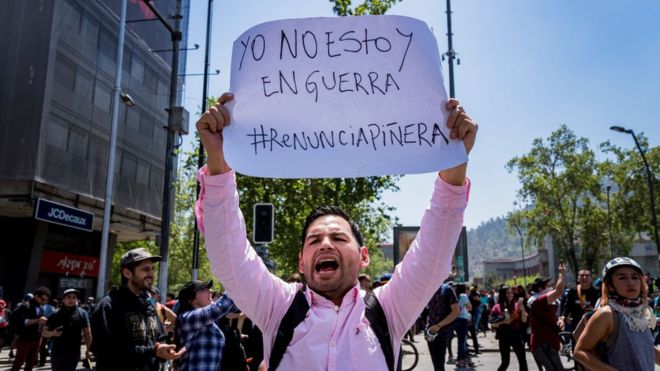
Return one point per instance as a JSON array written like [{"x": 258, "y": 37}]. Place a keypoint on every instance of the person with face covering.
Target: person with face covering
[
  {"x": 335, "y": 334},
  {"x": 618, "y": 335}
]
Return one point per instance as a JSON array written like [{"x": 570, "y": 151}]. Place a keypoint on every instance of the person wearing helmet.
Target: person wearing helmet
[{"x": 622, "y": 325}]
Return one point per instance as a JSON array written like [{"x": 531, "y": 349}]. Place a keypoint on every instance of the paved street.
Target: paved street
[{"x": 489, "y": 359}]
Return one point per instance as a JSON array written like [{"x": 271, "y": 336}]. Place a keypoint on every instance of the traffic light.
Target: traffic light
[{"x": 263, "y": 228}]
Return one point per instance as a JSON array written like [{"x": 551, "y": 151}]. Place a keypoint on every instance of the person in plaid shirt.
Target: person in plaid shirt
[{"x": 196, "y": 326}]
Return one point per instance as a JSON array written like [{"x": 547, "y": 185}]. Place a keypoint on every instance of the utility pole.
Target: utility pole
[
  {"x": 174, "y": 127},
  {"x": 200, "y": 153},
  {"x": 609, "y": 221},
  {"x": 650, "y": 179},
  {"x": 450, "y": 54},
  {"x": 109, "y": 182}
]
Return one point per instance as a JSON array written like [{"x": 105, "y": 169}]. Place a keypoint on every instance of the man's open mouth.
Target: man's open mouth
[{"x": 326, "y": 266}]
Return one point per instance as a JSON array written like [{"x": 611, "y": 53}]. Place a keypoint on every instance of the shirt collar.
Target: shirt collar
[{"x": 349, "y": 298}]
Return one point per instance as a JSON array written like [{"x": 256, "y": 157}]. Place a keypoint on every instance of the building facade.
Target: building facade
[{"x": 56, "y": 91}]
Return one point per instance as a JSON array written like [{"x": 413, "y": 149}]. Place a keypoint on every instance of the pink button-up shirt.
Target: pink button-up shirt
[{"x": 331, "y": 337}]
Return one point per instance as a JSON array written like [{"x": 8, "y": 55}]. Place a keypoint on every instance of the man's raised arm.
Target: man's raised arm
[
  {"x": 255, "y": 291},
  {"x": 428, "y": 261}
]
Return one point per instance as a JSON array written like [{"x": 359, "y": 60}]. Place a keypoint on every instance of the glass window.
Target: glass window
[
  {"x": 77, "y": 143},
  {"x": 84, "y": 82},
  {"x": 89, "y": 29},
  {"x": 129, "y": 167},
  {"x": 107, "y": 49},
  {"x": 133, "y": 118},
  {"x": 137, "y": 68},
  {"x": 143, "y": 172},
  {"x": 65, "y": 71},
  {"x": 156, "y": 179},
  {"x": 102, "y": 96},
  {"x": 98, "y": 153},
  {"x": 57, "y": 133},
  {"x": 160, "y": 135},
  {"x": 150, "y": 80},
  {"x": 163, "y": 94},
  {"x": 71, "y": 16},
  {"x": 146, "y": 125}
]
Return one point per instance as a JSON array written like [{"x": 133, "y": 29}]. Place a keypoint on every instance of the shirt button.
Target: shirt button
[
  {"x": 336, "y": 308},
  {"x": 332, "y": 343}
]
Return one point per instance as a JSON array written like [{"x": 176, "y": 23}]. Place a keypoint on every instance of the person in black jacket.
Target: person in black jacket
[
  {"x": 580, "y": 299},
  {"x": 126, "y": 332},
  {"x": 28, "y": 320}
]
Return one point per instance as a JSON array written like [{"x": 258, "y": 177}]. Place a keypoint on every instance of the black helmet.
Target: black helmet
[{"x": 620, "y": 262}]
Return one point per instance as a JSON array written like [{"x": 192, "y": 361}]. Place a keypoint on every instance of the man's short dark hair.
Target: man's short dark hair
[
  {"x": 330, "y": 210},
  {"x": 131, "y": 267},
  {"x": 42, "y": 291}
]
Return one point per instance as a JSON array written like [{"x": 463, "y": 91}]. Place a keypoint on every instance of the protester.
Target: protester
[
  {"x": 127, "y": 333},
  {"x": 197, "y": 329},
  {"x": 5, "y": 319},
  {"x": 44, "y": 347},
  {"x": 29, "y": 318},
  {"x": 623, "y": 323},
  {"x": 485, "y": 311},
  {"x": 335, "y": 333},
  {"x": 545, "y": 342},
  {"x": 442, "y": 312},
  {"x": 89, "y": 306},
  {"x": 66, "y": 328},
  {"x": 508, "y": 316},
  {"x": 462, "y": 321},
  {"x": 365, "y": 282},
  {"x": 580, "y": 299},
  {"x": 166, "y": 316},
  {"x": 475, "y": 314}
]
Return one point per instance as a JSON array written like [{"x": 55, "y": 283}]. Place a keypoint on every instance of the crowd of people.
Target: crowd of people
[
  {"x": 328, "y": 316},
  {"x": 605, "y": 322}
]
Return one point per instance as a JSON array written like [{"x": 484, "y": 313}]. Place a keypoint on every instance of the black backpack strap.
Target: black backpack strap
[
  {"x": 293, "y": 317},
  {"x": 378, "y": 322}
]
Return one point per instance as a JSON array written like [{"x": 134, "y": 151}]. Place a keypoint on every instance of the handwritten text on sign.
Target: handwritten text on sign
[{"x": 338, "y": 97}]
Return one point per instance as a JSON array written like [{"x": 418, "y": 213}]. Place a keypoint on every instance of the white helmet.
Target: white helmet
[{"x": 621, "y": 262}]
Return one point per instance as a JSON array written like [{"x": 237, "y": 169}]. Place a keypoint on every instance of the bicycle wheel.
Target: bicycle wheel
[{"x": 410, "y": 356}]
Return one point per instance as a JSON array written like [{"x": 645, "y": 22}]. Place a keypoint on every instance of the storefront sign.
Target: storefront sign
[
  {"x": 53, "y": 212},
  {"x": 69, "y": 264}
]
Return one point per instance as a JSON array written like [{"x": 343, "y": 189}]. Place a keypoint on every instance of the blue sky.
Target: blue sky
[{"x": 526, "y": 68}]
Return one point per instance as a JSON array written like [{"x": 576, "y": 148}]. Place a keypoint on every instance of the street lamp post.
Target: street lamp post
[
  {"x": 650, "y": 178},
  {"x": 522, "y": 252},
  {"x": 109, "y": 181},
  {"x": 609, "y": 220}
]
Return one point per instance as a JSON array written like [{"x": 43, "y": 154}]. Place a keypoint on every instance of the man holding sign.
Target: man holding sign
[{"x": 337, "y": 329}]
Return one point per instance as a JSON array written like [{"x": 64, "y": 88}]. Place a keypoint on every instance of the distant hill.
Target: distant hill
[{"x": 490, "y": 240}]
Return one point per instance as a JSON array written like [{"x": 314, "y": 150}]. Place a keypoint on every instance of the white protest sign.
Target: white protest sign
[{"x": 338, "y": 97}]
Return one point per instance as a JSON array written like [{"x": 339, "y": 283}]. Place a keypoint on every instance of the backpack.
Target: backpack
[
  {"x": 233, "y": 353},
  {"x": 296, "y": 314}
]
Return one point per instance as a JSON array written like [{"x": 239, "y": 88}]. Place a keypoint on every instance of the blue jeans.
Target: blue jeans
[{"x": 461, "y": 332}]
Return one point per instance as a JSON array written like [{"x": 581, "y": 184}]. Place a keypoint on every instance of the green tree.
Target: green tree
[
  {"x": 295, "y": 198},
  {"x": 630, "y": 205},
  {"x": 560, "y": 197},
  {"x": 375, "y": 7}
]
